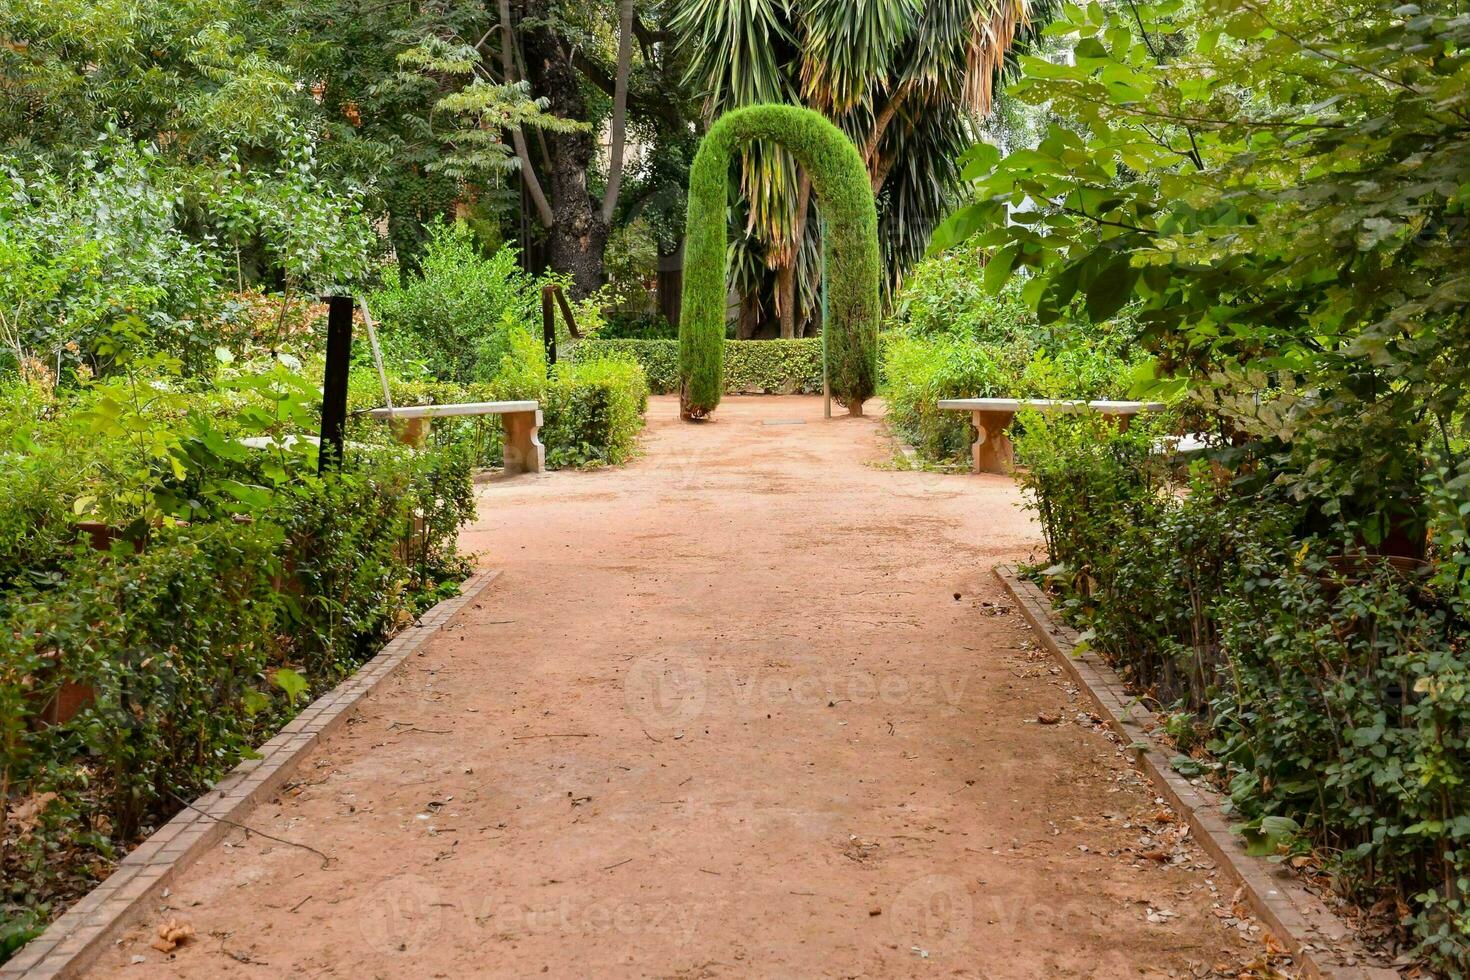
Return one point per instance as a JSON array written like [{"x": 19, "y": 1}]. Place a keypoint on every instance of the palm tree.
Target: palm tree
[{"x": 908, "y": 80}]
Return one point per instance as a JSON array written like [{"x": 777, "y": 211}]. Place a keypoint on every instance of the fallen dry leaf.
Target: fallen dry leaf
[{"x": 26, "y": 814}]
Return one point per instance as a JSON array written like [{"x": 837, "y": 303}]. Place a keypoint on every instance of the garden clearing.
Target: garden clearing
[{"x": 753, "y": 705}]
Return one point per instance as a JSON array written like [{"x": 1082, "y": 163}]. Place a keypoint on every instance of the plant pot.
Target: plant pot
[{"x": 65, "y": 703}]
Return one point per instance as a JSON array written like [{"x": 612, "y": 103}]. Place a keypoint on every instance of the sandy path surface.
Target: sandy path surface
[{"x": 751, "y": 706}]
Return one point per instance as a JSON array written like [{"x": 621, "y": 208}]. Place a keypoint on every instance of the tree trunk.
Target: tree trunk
[
  {"x": 750, "y": 315},
  {"x": 786, "y": 275},
  {"x": 578, "y": 233},
  {"x": 529, "y": 183},
  {"x": 671, "y": 285}
]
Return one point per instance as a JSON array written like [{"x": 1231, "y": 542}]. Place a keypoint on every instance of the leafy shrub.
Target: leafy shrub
[
  {"x": 79, "y": 253},
  {"x": 917, "y": 372},
  {"x": 197, "y": 638},
  {"x": 454, "y": 316},
  {"x": 638, "y": 326},
  {"x": 592, "y": 408},
  {"x": 1332, "y": 687},
  {"x": 128, "y": 238},
  {"x": 954, "y": 336},
  {"x": 946, "y": 296},
  {"x": 593, "y": 412}
]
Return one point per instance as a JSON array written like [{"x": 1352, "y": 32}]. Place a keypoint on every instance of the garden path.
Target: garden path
[{"x": 752, "y": 705}]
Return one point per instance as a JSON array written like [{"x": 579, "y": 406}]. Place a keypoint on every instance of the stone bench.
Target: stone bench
[
  {"x": 993, "y": 452},
  {"x": 523, "y": 450}
]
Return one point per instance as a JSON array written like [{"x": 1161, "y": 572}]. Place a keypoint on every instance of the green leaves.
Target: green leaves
[
  {"x": 1269, "y": 836},
  {"x": 290, "y": 682}
]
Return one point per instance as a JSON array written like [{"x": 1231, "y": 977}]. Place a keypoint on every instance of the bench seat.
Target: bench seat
[
  {"x": 523, "y": 450},
  {"x": 992, "y": 451}
]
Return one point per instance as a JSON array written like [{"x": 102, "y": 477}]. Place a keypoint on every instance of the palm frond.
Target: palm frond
[
  {"x": 848, "y": 48},
  {"x": 739, "y": 51}
]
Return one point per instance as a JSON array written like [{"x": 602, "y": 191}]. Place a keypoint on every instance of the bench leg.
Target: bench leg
[
  {"x": 523, "y": 450},
  {"x": 992, "y": 452}
]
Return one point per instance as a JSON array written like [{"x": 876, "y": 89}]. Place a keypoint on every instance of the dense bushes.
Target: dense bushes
[
  {"x": 1323, "y": 687},
  {"x": 917, "y": 373},
  {"x": 453, "y": 316},
  {"x": 465, "y": 329},
  {"x": 840, "y": 181},
  {"x": 751, "y": 366},
  {"x": 190, "y": 639}
]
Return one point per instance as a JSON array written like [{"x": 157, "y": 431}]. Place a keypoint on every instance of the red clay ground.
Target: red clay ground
[{"x": 753, "y": 705}]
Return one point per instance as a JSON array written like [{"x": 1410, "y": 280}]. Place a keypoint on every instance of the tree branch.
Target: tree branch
[
  {"x": 1194, "y": 154},
  {"x": 639, "y": 105},
  {"x": 518, "y": 138},
  {"x": 618, "y": 131},
  {"x": 880, "y": 126}
]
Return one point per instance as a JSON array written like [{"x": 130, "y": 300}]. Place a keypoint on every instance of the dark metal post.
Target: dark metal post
[
  {"x": 334, "y": 383},
  {"x": 548, "y": 322},
  {"x": 826, "y": 374}
]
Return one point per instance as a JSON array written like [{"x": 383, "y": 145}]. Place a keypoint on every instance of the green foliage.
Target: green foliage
[
  {"x": 1325, "y": 693},
  {"x": 638, "y": 326},
  {"x": 1278, "y": 198},
  {"x": 594, "y": 412},
  {"x": 917, "y": 373},
  {"x": 592, "y": 409},
  {"x": 78, "y": 254},
  {"x": 486, "y": 109},
  {"x": 953, "y": 338},
  {"x": 114, "y": 249},
  {"x": 455, "y": 314},
  {"x": 840, "y": 182},
  {"x": 196, "y": 71},
  {"x": 195, "y": 638},
  {"x": 1282, "y": 196},
  {"x": 752, "y": 367}
]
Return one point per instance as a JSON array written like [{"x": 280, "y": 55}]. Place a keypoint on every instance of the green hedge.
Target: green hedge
[
  {"x": 752, "y": 367},
  {"x": 840, "y": 182},
  {"x": 197, "y": 647},
  {"x": 1323, "y": 689},
  {"x": 593, "y": 412}
]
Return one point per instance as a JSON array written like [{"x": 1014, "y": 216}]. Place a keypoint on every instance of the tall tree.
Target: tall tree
[{"x": 560, "y": 47}]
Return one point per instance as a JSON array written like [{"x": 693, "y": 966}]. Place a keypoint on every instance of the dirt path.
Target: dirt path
[{"x": 750, "y": 706}]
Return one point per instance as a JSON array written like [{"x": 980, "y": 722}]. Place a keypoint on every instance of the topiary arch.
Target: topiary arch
[{"x": 850, "y": 247}]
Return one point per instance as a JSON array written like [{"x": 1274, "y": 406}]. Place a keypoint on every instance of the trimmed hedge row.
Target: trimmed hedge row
[
  {"x": 752, "y": 367},
  {"x": 1325, "y": 689},
  {"x": 192, "y": 648}
]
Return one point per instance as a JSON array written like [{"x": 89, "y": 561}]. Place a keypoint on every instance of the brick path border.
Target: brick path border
[
  {"x": 75, "y": 940},
  {"x": 1320, "y": 943}
]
